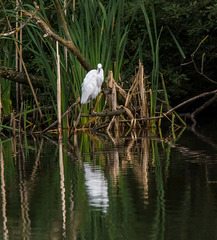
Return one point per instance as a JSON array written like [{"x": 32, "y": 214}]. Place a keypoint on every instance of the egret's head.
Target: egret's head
[{"x": 99, "y": 65}]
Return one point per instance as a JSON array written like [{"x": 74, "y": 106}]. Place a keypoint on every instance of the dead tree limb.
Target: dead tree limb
[
  {"x": 201, "y": 72},
  {"x": 11, "y": 74},
  {"x": 195, "y": 65},
  {"x": 69, "y": 44}
]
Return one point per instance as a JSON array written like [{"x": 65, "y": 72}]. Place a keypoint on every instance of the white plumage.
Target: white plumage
[{"x": 92, "y": 83}]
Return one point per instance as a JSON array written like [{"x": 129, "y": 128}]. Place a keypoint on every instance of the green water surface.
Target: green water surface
[{"x": 97, "y": 187}]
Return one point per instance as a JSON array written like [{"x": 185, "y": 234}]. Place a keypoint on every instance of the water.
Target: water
[{"x": 96, "y": 187}]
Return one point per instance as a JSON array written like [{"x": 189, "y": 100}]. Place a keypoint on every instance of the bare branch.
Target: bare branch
[
  {"x": 205, "y": 94},
  {"x": 202, "y": 61},
  {"x": 69, "y": 44},
  {"x": 201, "y": 73}
]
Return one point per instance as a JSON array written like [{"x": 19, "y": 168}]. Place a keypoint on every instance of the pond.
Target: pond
[{"x": 101, "y": 187}]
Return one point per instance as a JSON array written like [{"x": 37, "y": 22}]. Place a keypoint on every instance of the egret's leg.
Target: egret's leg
[
  {"x": 91, "y": 107},
  {"x": 78, "y": 118}
]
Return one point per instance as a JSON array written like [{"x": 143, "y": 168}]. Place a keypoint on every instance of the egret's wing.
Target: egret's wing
[{"x": 88, "y": 86}]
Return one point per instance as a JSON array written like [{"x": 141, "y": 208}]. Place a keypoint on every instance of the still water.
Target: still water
[{"x": 100, "y": 187}]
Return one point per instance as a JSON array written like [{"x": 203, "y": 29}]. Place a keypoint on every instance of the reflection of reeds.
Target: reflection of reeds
[
  {"x": 24, "y": 199},
  {"x": 3, "y": 193},
  {"x": 62, "y": 187}
]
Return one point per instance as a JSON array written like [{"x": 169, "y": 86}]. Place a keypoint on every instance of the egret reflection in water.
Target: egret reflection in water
[{"x": 97, "y": 187}]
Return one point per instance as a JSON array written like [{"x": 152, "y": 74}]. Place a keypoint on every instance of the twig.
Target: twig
[
  {"x": 176, "y": 107},
  {"x": 201, "y": 73}
]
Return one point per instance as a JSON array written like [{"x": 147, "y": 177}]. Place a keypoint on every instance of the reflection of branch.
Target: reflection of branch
[
  {"x": 24, "y": 200},
  {"x": 62, "y": 186},
  {"x": 22, "y": 26},
  {"x": 37, "y": 163}
]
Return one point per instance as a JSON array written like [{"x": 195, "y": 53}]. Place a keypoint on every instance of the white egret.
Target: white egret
[
  {"x": 91, "y": 87},
  {"x": 92, "y": 83}
]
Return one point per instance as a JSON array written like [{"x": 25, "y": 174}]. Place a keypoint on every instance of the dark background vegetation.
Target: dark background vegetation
[{"x": 190, "y": 22}]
